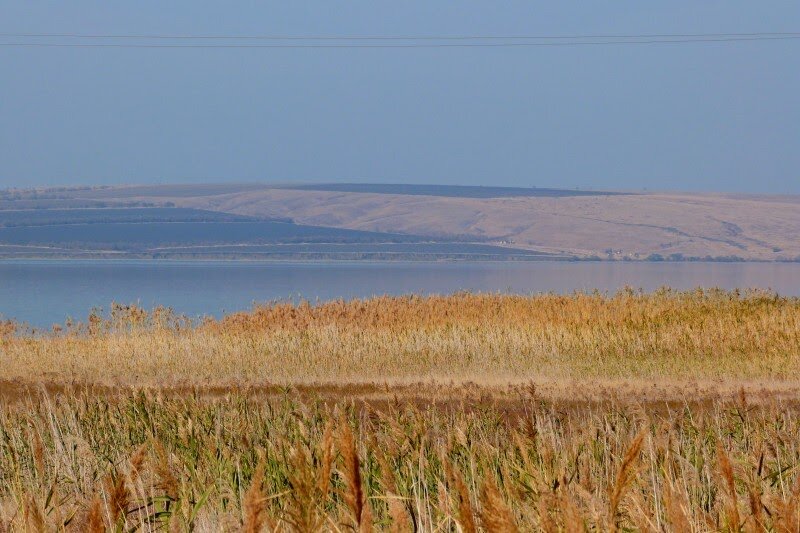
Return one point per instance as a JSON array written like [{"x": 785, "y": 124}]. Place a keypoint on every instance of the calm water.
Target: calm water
[{"x": 45, "y": 292}]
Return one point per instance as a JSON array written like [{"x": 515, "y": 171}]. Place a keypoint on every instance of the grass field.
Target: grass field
[
  {"x": 663, "y": 338},
  {"x": 667, "y": 411}
]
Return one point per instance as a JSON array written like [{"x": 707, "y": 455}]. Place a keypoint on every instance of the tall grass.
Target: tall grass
[
  {"x": 143, "y": 462},
  {"x": 705, "y": 336},
  {"x": 667, "y": 411}
]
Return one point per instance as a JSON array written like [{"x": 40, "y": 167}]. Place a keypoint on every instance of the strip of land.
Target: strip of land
[{"x": 538, "y": 224}]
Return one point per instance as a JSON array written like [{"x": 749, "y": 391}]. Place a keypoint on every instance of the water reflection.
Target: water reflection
[{"x": 45, "y": 292}]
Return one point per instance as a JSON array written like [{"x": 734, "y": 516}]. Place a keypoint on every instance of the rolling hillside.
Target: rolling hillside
[{"x": 607, "y": 225}]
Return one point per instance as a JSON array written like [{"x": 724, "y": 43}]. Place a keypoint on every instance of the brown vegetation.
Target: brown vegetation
[
  {"x": 658, "y": 341},
  {"x": 667, "y": 411},
  {"x": 144, "y": 462}
]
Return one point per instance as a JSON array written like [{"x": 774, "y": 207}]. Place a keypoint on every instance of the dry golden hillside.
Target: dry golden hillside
[{"x": 631, "y": 225}]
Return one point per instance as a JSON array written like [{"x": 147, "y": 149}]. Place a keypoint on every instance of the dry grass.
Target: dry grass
[
  {"x": 630, "y": 338},
  {"x": 144, "y": 462},
  {"x": 653, "y": 412}
]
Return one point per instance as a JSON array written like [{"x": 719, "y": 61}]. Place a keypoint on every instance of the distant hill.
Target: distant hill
[
  {"x": 452, "y": 191},
  {"x": 59, "y": 225},
  {"x": 532, "y": 222}
]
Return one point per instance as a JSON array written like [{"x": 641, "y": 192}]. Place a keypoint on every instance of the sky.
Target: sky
[{"x": 693, "y": 116}]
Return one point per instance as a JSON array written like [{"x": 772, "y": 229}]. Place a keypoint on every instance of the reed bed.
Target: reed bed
[
  {"x": 146, "y": 463},
  {"x": 663, "y": 411},
  {"x": 660, "y": 337}
]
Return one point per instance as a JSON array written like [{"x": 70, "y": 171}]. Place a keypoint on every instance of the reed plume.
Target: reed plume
[
  {"x": 626, "y": 473},
  {"x": 495, "y": 515},
  {"x": 466, "y": 516},
  {"x": 38, "y": 454},
  {"x": 326, "y": 452},
  {"x": 729, "y": 483},
  {"x": 255, "y": 513},
  {"x": 166, "y": 479},
  {"x": 93, "y": 522},
  {"x": 34, "y": 521},
  {"x": 118, "y": 496},
  {"x": 574, "y": 521},
  {"x": 675, "y": 506},
  {"x": 137, "y": 462},
  {"x": 756, "y": 522},
  {"x": 400, "y": 520},
  {"x": 788, "y": 511},
  {"x": 354, "y": 496}
]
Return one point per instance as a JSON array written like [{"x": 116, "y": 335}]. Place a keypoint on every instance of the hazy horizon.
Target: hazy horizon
[
  {"x": 713, "y": 116},
  {"x": 291, "y": 183}
]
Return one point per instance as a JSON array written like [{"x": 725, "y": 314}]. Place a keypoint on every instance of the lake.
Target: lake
[{"x": 44, "y": 292}]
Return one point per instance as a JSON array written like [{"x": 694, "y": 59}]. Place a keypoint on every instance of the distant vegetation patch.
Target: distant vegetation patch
[
  {"x": 45, "y": 217},
  {"x": 172, "y": 191},
  {"x": 135, "y": 236},
  {"x": 358, "y": 251},
  {"x": 408, "y": 247},
  {"x": 455, "y": 191}
]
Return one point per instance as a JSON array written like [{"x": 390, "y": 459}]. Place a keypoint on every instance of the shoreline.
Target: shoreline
[{"x": 470, "y": 259}]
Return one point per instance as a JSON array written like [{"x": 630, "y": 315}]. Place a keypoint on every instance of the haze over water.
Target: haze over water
[{"x": 41, "y": 293}]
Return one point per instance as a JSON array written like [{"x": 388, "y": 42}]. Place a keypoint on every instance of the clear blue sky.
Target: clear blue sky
[{"x": 716, "y": 116}]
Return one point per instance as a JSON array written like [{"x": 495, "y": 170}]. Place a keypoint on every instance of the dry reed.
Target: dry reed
[
  {"x": 534, "y": 414},
  {"x": 149, "y": 462},
  {"x": 750, "y": 339}
]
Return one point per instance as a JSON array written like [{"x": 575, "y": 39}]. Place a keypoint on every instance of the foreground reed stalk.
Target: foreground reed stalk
[{"x": 147, "y": 463}]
